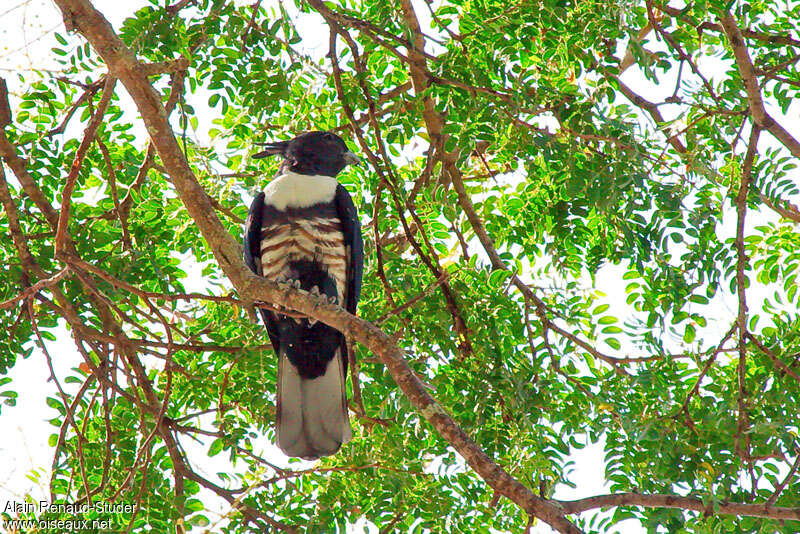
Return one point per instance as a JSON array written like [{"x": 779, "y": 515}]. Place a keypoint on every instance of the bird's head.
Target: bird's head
[{"x": 311, "y": 153}]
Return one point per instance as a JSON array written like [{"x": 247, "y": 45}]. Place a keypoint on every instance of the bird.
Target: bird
[{"x": 303, "y": 230}]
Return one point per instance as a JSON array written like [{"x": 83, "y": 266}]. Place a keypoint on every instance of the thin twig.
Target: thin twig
[{"x": 77, "y": 162}]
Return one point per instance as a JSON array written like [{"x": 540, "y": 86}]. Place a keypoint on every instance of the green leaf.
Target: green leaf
[
  {"x": 216, "y": 447},
  {"x": 689, "y": 333}
]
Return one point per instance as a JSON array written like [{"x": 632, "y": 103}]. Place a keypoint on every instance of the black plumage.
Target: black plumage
[{"x": 304, "y": 230}]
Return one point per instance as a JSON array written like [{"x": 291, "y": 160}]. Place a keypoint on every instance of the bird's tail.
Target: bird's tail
[{"x": 312, "y": 419}]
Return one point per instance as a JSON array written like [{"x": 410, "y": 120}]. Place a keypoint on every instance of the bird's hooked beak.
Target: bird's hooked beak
[{"x": 351, "y": 159}]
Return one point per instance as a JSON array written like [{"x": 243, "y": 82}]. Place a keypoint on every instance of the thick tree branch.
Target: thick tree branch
[
  {"x": 5, "y": 109},
  {"x": 750, "y": 80}
]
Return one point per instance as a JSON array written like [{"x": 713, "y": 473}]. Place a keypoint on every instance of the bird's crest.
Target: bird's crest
[{"x": 277, "y": 148}]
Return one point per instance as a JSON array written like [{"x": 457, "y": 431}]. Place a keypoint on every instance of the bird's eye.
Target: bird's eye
[{"x": 328, "y": 136}]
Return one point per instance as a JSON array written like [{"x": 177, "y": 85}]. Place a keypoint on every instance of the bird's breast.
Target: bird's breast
[
  {"x": 293, "y": 237},
  {"x": 317, "y": 239}
]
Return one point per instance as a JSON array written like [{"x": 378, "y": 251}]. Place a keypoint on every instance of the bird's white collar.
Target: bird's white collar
[{"x": 292, "y": 190}]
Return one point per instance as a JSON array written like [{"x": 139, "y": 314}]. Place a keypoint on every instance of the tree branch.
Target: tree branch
[
  {"x": 5, "y": 109},
  {"x": 35, "y": 288},
  {"x": 741, "y": 287},
  {"x": 683, "y": 503},
  {"x": 708, "y": 25},
  {"x": 750, "y": 80},
  {"x": 75, "y": 169}
]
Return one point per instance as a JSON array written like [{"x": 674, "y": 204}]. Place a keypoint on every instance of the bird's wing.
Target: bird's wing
[
  {"x": 354, "y": 250},
  {"x": 252, "y": 258},
  {"x": 354, "y": 246}
]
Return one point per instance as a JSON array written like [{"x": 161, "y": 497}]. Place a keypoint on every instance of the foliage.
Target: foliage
[{"x": 690, "y": 384}]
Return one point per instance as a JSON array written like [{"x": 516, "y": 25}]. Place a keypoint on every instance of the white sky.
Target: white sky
[{"x": 26, "y": 29}]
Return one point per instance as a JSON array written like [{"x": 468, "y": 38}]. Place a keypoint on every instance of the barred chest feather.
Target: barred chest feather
[{"x": 303, "y": 225}]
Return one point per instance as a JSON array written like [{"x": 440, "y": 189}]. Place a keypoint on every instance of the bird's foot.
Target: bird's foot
[
  {"x": 327, "y": 299},
  {"x": 314, "y": 291},
  {"x": 285, "y": 281}
]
